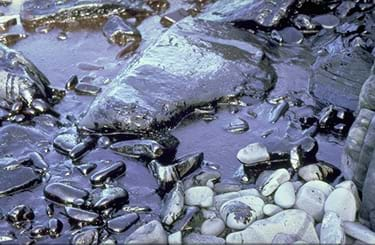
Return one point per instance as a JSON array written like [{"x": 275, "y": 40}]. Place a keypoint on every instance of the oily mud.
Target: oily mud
[{"x": 135, "y": 106}]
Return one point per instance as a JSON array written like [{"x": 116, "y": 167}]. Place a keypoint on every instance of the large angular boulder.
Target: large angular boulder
[
  {"x": 337, "y": 77},
  {"x": 194, "y": 63},
  {"x": 244, "y": 12}
]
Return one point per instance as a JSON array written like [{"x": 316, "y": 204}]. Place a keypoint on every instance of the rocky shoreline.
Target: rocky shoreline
[{"x": 131, "y": 147}]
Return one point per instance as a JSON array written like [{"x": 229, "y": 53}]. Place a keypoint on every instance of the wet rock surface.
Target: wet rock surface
[
  {"x": 134, "y": 136},
  {"x": 139, "y": 112}
]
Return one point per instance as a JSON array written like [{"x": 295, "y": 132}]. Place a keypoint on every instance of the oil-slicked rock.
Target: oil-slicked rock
[
  {"x": 115, "y": 170},
  {"x": 150, "y": 233},
  {"x": 246, "y": 12},
  {"x": 148, "y": 149},
  {"x": 173, "y": 204},
  {"x": 18, "y": 179},
  {"x": 87, "y": 236},
  {"x": 81, "y": 215},
  {"x": 344, "y": 71},
  {"x": 167, "y": 175},
  {"x": 19, "y": 214},
  {"x": 359, "y": 147},
  {"x": 110, "y": 197},
  {"x": 65, "y": 194},
  {"x": 332, "y": 230},
  {"x": 206, "y": 61},
  {"x": 35, "y": 13},
  {"x": 122, "y": 223},
  {"x": 21, "y": 79},
  {"x": 290, "y": 222},
  {"x": 118, "y": 31}
]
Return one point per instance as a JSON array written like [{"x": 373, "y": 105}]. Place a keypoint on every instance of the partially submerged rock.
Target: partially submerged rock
[
  {"x": 206, "y": 61},
  {"x": 264, "y": 13},
  {"x": 35, "y": 13},
  {"x": 21, "y": 79}
]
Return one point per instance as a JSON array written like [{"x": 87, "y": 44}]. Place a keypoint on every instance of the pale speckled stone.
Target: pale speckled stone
[
  {"x": 359, "y": 232},
  {"x": 271, "y": 209},
  {"x": 320, "y": 185},
  {"x": 342, "y": 202},
  {"x": 311, "y": 200},
  {"x": 332, "y": 230},
  {"x": 292, "y": 222},
  {"x": 349, "y": 185},
  {"x": 175, "y": 238},
  {"x": 201, "y": 196},
  {"x": 285, "y": 196},
  {"x": 213, "y": 227},
  {"x": 270, "y": 183}
]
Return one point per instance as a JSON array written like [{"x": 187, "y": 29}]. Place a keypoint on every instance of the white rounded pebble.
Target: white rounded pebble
[
  {"x": 213, "y": 227},
  {"x": 201, "y": 196},
  {"x": 311, "y": 200},
  {"x": 359, "y": 232},
  {"x": 342, "y": 202},
  {"x": 271, "y": 209},
  {"x": 285, "y": 196}
]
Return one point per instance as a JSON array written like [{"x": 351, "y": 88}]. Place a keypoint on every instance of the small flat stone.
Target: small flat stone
[
  {"x": 285, "y": 196},
  {"x": 81, "y": 215},
  {"x": 342, "y": 202},
  {"x": 88, "y": 236},
  {"x": 238, "y": 125},
  {"x": 175, "y": 238},
  {"x": 332, "y": 230},
  {"x": 201, "y": 196},
  {"x": 253, "y": 153},
  {"x": 122, "y": 223},
  {"x": 221, "y": 188},
  {"x": 327, "y": 21},
  {"x": 195, "y": 238},
  {"x": 271, "y": 209},
  {"x": 87, "y": 89},
  {"x": 291, "y": 35},
  {"x": 150, "y": 233},
  {"x": 213, "y": 227},
  {"x": 359, "y": 232},
  {"x": 19, "y": 214},
  {"x": 173, "y": 17},
  {"x": 115, "y": 170},
  {"x": 110, "y": 197},
  {"x": 65, "y": 194},
  {"x": 273, "y": 181}
]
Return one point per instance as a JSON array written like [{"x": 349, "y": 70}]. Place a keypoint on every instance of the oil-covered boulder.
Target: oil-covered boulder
[
  {"x": 20, "y": 78},
  {"x": 36, "y": 13},
  {"x": 194, "y": 63},
  {"x": 245, "y": 12},
  {"x": 337, "y": 78}
]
